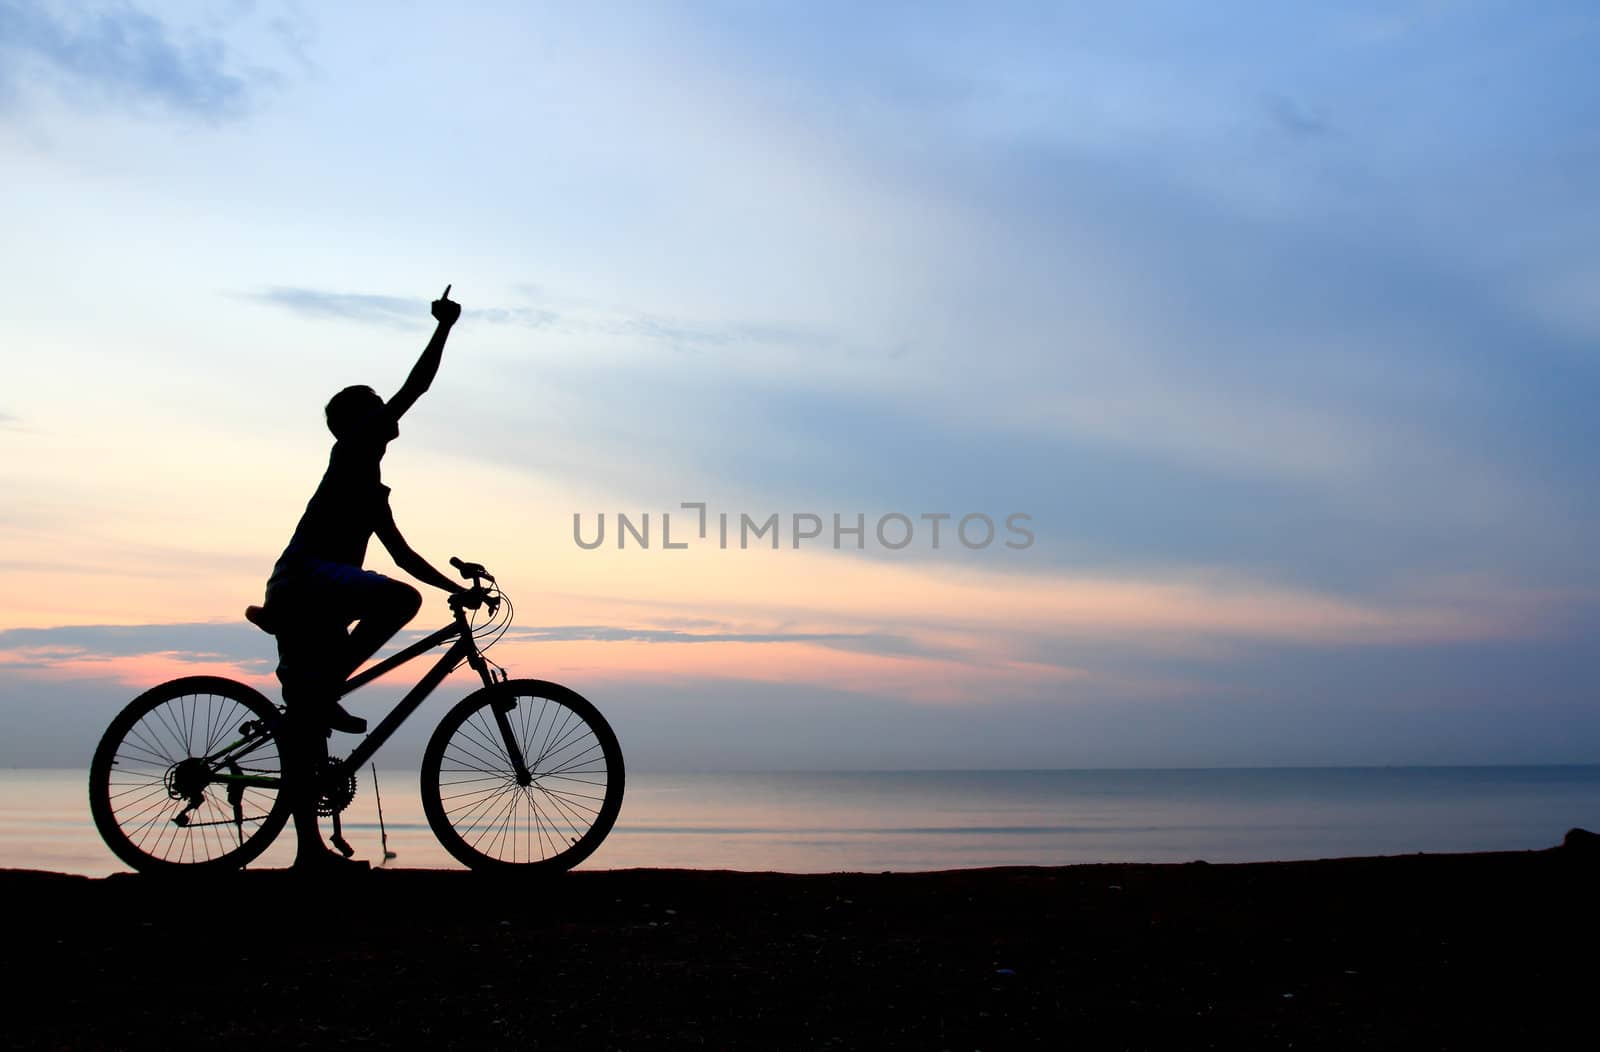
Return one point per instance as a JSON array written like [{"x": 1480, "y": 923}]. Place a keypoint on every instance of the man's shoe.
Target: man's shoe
[{"x": 345, "y": 722}]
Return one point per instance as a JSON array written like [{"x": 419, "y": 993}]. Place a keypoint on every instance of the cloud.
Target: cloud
[
  {"x": 397, "y": 311},
  {"x": 1295, "y": 119},
  {"x": 351, "y": 306},
  {"x": 200, "y": 642},
  {"x": 525, "y": 316},
  {"x": 682, "y": 334},
  {"x": 245, "y": 646},
  {"x": 859, "y": 642},
  {"x": 125, "y": 55},
  {"x": 675, "y": 333}
]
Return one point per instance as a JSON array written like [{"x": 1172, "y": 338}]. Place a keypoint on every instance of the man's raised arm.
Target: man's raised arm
[{"x": 446, "y": 311}]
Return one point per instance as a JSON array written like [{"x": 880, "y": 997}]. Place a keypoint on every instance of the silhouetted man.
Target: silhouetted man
[{"x": 318, "y": 588}]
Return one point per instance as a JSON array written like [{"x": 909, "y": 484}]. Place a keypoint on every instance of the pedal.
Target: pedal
[{"x": 338, "y": 840}]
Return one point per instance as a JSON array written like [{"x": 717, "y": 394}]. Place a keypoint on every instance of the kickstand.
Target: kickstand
[{"x": 338, "y": 840}]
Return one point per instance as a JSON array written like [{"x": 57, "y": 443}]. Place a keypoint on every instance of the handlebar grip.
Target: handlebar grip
[{"x": 470, "y": 571}]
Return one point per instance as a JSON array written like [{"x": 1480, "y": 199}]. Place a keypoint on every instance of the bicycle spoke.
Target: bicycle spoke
[
  {"x": 489, "y": 737},
  {"x": 487, "y": 828},
  {"x": 500, "y": 825},
  {"x": 551, "y": 837},
  {"x": 464, "y": 781},
  {"x": 570, "y": 799},
  {"x": 149, "y": 792},
  {"x": 487, "y": 766},
  {"x": 529, "y": 734},
  {"x": 156, "y": 812},
  {"x": 168, "y": 722},
  {"x": 576, "y": 822},
  {"x": 150, "y": 748},
  {"x": 475, "y": 794},
  {"x": 567, "y": 735},
  {"x": 473, "y": 811},
  {"x": 470, "y": 813},
  {"x": 217, "y": 724},
  {"x": 211, "y": 723},
  {"x": 572, "y": 761},
  {"x": 551, "y": 731},
  {"x": 188, "y": 734}
]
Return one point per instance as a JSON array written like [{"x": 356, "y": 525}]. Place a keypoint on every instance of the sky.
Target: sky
[{"x": 1274, "y": 326}]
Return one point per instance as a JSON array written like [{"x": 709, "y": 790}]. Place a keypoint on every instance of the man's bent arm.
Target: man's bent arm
[{"x": 427, "y": 367}]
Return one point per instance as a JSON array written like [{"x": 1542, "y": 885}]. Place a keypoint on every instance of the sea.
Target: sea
[{"x": 908, "y": 821}]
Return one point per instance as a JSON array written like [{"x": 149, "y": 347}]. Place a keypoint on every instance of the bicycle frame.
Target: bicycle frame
[{"x": 464, "y": 648}]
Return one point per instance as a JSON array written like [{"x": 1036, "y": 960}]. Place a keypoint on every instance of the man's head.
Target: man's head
[{"x": 350, "y": 408}]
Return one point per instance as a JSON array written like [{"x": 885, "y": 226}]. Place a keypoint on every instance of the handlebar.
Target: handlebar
[
  {"x": 471, "y": 571},
  {"x": 477, "y": 595}
]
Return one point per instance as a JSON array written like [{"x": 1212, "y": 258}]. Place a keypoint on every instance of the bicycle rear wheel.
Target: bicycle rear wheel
[
  {"x": 548, "y": 821},
  {"x": 187, "y": 777}
]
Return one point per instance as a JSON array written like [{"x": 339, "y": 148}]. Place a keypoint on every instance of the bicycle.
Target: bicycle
[{"x": 189, "y": 776}]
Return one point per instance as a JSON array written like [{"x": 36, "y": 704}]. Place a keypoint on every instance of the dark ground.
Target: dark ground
[{"x": 1425, "y": 951}]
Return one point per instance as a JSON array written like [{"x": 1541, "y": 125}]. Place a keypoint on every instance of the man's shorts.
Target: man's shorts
[
  {"x": 314, "y": 603},
  {"x": 327, "y": 592}
]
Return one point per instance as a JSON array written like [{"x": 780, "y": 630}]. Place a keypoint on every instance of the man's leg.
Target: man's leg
[
  {"x": 316, "y": 654},
  {"x": 306, "y": 748},
  {"x": 381, "y": 606},
  {"x": 305, "y": 653},
  {"x": 342, "y": 594}
]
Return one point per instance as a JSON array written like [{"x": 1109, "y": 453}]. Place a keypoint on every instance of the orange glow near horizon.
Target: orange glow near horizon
[
  {"x": 136, "y": 671},
  {"x": 913, "y": 628}
]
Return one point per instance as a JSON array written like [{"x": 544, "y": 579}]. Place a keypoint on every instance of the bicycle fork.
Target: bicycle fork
[
  {"x": 508, "y": 738},
  {"x": 501, "y": 708}
]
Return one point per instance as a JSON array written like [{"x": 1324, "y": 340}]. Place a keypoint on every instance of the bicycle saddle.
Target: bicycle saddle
[{"x": 258, "y": 616}]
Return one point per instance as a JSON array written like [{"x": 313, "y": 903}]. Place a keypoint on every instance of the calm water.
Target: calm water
[{"x": 872, "y": 821}]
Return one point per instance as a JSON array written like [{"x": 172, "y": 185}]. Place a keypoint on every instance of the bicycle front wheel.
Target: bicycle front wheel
[
  {"x": 546, "y": 818},
  {"x": 188, "y": 776}
]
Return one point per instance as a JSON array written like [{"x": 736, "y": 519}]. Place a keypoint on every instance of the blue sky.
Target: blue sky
[{"x": 1280, "y": 322}]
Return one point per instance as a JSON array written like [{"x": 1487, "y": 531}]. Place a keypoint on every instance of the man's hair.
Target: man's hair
[{"x": 349, "y": 407}]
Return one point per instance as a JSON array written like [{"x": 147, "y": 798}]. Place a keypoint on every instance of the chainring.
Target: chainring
[{"x": 338, "y": 790}]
